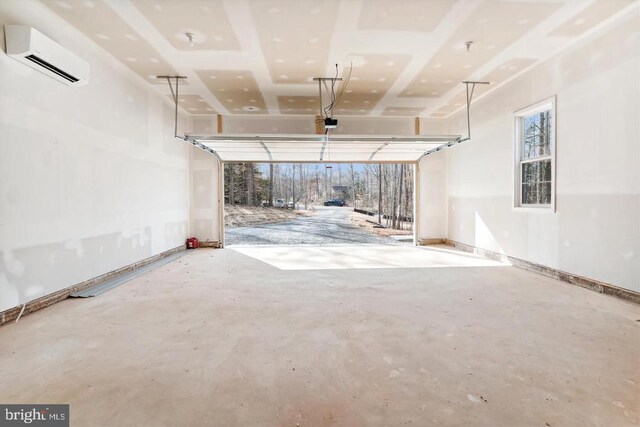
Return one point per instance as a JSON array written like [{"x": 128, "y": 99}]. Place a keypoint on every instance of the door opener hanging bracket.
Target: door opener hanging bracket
[
  {"x": 174, "y": 94},
  {"x": 456, "y": 141},
  {"x": 185, "y": 137},
  {"x": 473, "y": 84}
]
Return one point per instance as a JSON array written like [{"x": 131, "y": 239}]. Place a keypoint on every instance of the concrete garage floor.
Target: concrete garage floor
[{"x": 221, "y": 338}]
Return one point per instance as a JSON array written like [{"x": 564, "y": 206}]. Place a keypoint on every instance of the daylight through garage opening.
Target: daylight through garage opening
[{"x": 318, "y": 203}]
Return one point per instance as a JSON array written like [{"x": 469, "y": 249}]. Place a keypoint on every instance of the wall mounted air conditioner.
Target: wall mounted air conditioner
[{"x": 38, "y": 51}]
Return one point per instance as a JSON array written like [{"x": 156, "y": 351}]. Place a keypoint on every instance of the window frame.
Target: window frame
[{"x": 518, "y": 160}]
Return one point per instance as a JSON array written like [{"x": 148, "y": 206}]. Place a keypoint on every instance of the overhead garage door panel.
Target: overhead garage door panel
[{"x": 321, "y": 148}]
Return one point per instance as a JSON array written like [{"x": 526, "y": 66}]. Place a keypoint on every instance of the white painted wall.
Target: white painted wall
[
  {"x": 432, "y": 197},
  {"x": 91, "y": 178},
  {"x": 595, "y": 231},
  {"x": 206, "y": 200},
  {"x": 206, "y": 192},
  {"x": 431, "y": 218}
]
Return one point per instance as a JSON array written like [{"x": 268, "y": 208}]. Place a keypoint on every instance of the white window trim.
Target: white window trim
[{"x": 546, "y": 104}]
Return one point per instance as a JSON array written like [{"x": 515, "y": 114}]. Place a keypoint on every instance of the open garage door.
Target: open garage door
[
  {"x": 254, "y": 217},
  {"x": 322, "y": 148},
  {"x": 318, "y": 204}
]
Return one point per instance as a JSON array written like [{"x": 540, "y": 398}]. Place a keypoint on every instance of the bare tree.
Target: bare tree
[
  {"x": 390, "y": 186},
  {"x": 293, "y": 185},
  {"x": 400, "y": 184},
  {"x": 232, "y": 197},
  {"x": 270, "y": 202},
  {"x": 353, "y": 186},
  {"x": 379, "y": 193}
]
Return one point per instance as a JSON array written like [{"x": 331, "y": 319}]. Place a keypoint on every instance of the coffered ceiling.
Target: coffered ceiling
[{"x": 403, "y": 57}]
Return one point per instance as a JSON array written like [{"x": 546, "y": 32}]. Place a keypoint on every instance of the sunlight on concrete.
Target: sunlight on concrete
[{"x": 340, "y": 257}]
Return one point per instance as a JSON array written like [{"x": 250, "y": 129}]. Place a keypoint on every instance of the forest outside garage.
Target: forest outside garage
[{"x": 318, "y": 203}]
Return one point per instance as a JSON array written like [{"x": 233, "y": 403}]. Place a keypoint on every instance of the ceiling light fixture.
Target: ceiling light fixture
[
  {"x": 468, "y": 44},
  {"x": 190, "y": 37}
]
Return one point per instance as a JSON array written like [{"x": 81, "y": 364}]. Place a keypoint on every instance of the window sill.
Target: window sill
[{"x": 539, "y": 209}]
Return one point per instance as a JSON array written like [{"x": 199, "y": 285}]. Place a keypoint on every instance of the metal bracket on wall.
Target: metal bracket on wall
[
  {"x": 185, "y": 137},
  {"x": 469, "y": 98},
  {"x": 321, "y": 81},
  {"x": 443, "y": 146},
  {"x": 379, "y": 149},
  {"x": 200, "y": 145},
  {"x": 267, "y": 150},
  {"x": 467, "y": 83},
  {"x": 175, "y": 99}
]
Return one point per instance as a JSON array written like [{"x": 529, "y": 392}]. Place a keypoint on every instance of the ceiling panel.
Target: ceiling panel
[
  {"x": 206, "y": 20},
  {"x": 403, "y": 15},
  {"x": 237, "y": 90},
  {"x": 295, "y": 36},
  {"x": 408, "y": 55},
  {"x": 496, "y": 76},
  {"x": 102, "y": 25},
  {"x": 402, "y": 111},
  {"x": 306, "y": 105},
  {"x": 593, "y": 15},
  {"x": 507, "y": 70},
  {"x": 492, "y": 26},
  {"x": 371, "y": 77},
  {"x": 193, "y": 104}
]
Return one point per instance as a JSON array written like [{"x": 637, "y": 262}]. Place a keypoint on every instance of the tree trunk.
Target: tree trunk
[
  {"x": 394, "y": 217},
  {"x": 326, "y": 183},
  {"x": 246, "y": 187},
  {"x": 386, "y": 188},
  {"x": 317, "y": 184},
  {"x": 293, "y": 186},
  {"x": 270, "y": 202},
  {"x": 380, "y": 193},
  {"x": 232, "y": 196},
  {"x": 543, "y": 134},
  {"x": 353, "y": 186},
  {"x": 399, "y": 224},
  {"x": 408, "y": 191},
  {"x": 251, "y": 184},
  {"x": 305, "y": 182}
]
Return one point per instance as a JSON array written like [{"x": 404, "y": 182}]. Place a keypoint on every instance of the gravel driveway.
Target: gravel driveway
[{"x": 329, "y": 226}]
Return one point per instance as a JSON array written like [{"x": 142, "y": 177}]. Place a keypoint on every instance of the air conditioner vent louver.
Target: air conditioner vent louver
[
  {"x": 32, "y": 48},
  {"x": 51, "y": 68}
]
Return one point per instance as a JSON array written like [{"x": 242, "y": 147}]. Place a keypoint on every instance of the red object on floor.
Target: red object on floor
[{"x": 192, "y": 243}]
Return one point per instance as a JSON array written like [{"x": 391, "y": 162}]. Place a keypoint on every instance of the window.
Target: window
[{"x": 535, "y": 156}]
